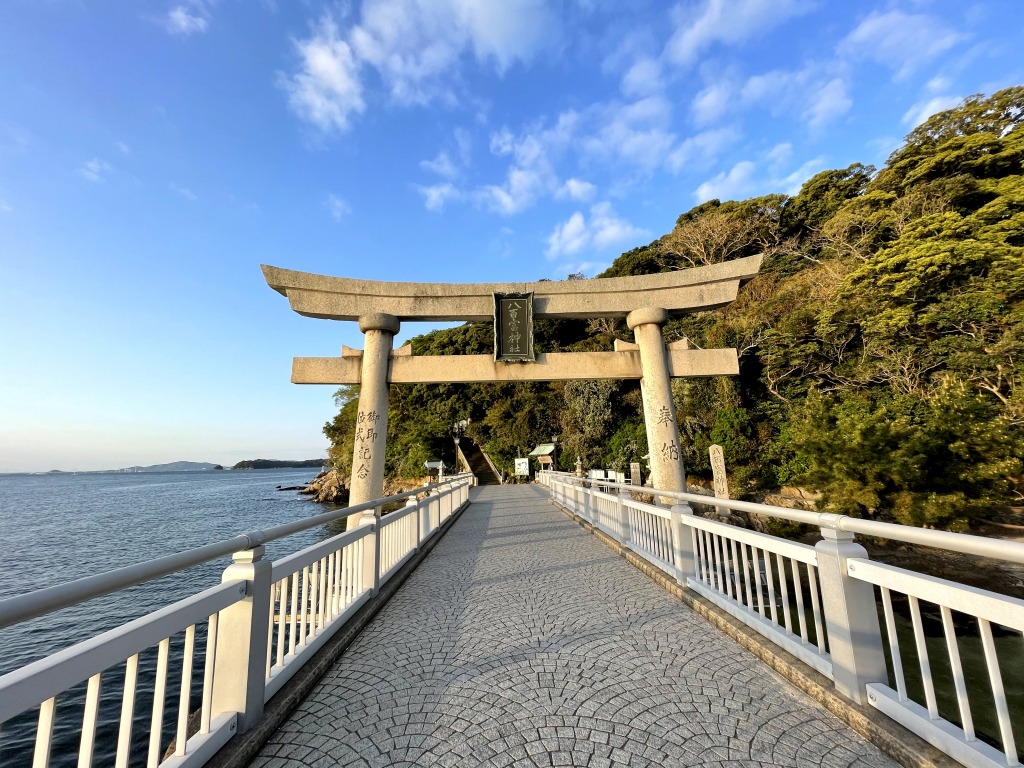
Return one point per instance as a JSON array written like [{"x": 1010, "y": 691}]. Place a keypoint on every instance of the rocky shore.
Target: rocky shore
[{"x": 330, "y": 487}]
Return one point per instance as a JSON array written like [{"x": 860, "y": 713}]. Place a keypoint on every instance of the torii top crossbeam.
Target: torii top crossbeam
[
  {"x": 342, "y": 298},
  {"x": 646, "y": 301}
]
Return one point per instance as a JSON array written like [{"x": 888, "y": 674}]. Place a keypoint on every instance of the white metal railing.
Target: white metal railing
[
  {"x": 856, "y": 621},
  {"x": 239, "y": 641}
]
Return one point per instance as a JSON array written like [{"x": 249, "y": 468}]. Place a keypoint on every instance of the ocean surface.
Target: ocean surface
[{"x": 60, "y": 527}]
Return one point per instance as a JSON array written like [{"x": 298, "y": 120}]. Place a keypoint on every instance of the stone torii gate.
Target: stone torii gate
[{"x": 646, "y": 301}]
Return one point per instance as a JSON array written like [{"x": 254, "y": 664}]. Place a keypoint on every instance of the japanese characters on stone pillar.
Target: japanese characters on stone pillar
[
  {"x": 721, "y": 483},
  {"x": 372, "y": 418},
  {"x": 666, "y": 459}
]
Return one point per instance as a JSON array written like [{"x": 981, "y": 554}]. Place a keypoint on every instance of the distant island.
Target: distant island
[
  {"x": 277, "y": 464},
  {"x": 200, "y": 466}
]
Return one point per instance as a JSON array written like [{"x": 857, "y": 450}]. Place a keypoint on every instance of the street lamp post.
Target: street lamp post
[{"x": 458, "y": 430}]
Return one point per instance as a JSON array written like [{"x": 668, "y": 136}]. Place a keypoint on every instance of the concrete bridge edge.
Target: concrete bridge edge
[{"x": 902, "y": 745}]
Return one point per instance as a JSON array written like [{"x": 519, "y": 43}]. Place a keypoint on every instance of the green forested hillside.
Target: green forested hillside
[{"x": 881, "y": 347}]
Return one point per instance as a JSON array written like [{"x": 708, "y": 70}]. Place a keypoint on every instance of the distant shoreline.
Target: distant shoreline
[{"x": 184, "y": 467}]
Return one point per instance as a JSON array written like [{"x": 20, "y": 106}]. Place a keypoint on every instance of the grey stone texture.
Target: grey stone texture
[{"x": 522, "y": 641}]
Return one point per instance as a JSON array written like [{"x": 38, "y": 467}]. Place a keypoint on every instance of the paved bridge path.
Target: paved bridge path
[{"x": 522, "y": 641}]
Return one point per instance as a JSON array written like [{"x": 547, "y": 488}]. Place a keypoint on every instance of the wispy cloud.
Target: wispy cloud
[
  {"x": 184, "y": 192},
  {"x": 188, "y": 19},
  {"x": 442, "y": 165},
  {"x": 922, "y": 110},
  {"x": 96, "y": 170},
  {"x": 5, "y": 207},
  {"x": 575, "y": 189},
  {"x": 338, "y": 207},
  {"x": 745, "y": 178},
  {"x": 123, "y": 148},
  {"x": 699, "y": 26},
  {"x": 601, "y": 230},
  {"x": 898, "y": 40}
]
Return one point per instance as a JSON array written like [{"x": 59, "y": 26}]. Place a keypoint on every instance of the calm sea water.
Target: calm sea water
[{"x": 55, "y": 528}]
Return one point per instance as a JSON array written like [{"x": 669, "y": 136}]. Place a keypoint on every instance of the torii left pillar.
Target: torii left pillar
[{"x": 379, "y": 330}]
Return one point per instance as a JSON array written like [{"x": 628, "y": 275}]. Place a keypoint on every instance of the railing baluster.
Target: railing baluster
[
  {"x": 206, "y": 712},
  {"x": 159, "y": 693},
  {"x": 798, "y": 588},
  {"x": 755, "y": 557},
  {"x": 812, "y": 583},
  {"x": 967, "y": 722},
  {"x": 186, "y": 688},
  {"x": 293, "y": 618},
  {"x": 894, "y": 644},
  {"x": 771, "y": 586},
  {"x": 736, "y": 581},
  {"x": 303, "y": 605},
  {"x": 322, "y": 604},
  {"x": 998, "y": 691},
  {"x": 124, "y": 733},
  {"x": 272, "y": 610},
  {"x": 282, "y": 620},
  {"x": 92, "y": 705},
  {"x": 784, "y": 586},
  {"x": 922, "y": 658},
  {"x": 44, "y": 733},
  {"x": 746, "y": 577}
]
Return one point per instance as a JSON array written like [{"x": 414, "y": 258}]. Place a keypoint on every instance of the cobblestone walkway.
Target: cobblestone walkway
[{"x": 523, "y": 641}]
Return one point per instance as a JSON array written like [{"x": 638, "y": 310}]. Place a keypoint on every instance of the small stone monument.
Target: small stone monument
[
  {"x": 718, "y": 468},
  {"x": 579, "y": 467}
]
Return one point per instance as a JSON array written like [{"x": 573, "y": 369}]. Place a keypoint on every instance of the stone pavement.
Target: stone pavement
[{"x": 522, "y": 641}]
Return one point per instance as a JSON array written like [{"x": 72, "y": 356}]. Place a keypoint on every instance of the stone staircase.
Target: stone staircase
[{"x": 478, "y": 463}]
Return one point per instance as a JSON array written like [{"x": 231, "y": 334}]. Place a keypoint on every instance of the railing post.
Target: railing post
[
  {"x": 587, "y": 502},
  {"x": 622, "y": 519},
  {"x": 851, "y": 617},
  {"x": 371, "y": 554},
  {"x": 682, "y": 544},
  {"x": 424, "y": 506},
  {"x": 240, "y": 661}
]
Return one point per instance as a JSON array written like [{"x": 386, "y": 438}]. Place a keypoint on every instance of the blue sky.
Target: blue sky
[{"x": 154, "y": 154}]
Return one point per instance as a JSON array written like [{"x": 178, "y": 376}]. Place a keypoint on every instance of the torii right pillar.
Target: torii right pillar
[{"x": 666, "y": 459}]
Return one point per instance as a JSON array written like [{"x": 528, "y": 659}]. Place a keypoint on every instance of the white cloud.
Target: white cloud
[
  {"x": 5, "y": 207},
  {"x": 531, "y": 173},
  {"x": 185, "y": 192},
  {"x": 643, "y": 78},
  {"x": 699, "y": 26},
  {"x": 123, "y": 148},
  {"x": 338, "y": 207},
  {"x": 638, "y": 133},
  {"x": 442, "y": 165},
  {"x": 187, "y": 19},
  {"x": 743, "y": 181},
  {"x": 327, "y": 89},
  {"x": 828, "y": 102},
  {"x": 603, "y": 230},
  {"x": 711, "y": 103},
  {"x": 921, "y": 111},
  {"x": 701, "y": 149},
  {"x": 729, "y": 185},
  {"x": 413, "y": 44},
  {"x": 901, "y": 41},
  {"x": 437, "y": 195},
  {"x": 96, "y": 170},
  {"x": 791, "y": 183},
  {"x": 779, "y": 154},
  {"x": 575, "y": 189},
  {"x": 569, "y": 237},
  {"x": 818, "y": 97}
]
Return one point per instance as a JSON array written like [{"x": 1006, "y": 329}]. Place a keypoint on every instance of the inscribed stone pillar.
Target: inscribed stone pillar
[
  {"x": 666, "y": 460},
  {"x": 372, "y": 419}
]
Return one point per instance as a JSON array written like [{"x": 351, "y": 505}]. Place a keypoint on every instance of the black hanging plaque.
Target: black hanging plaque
[{"x": 513, "y": 327}]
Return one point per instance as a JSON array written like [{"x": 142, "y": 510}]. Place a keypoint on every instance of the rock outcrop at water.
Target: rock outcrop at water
[{"x": 328, "y": 488}]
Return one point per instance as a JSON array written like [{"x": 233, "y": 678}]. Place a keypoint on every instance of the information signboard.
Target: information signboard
[{"x": 522, "y": 467}]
